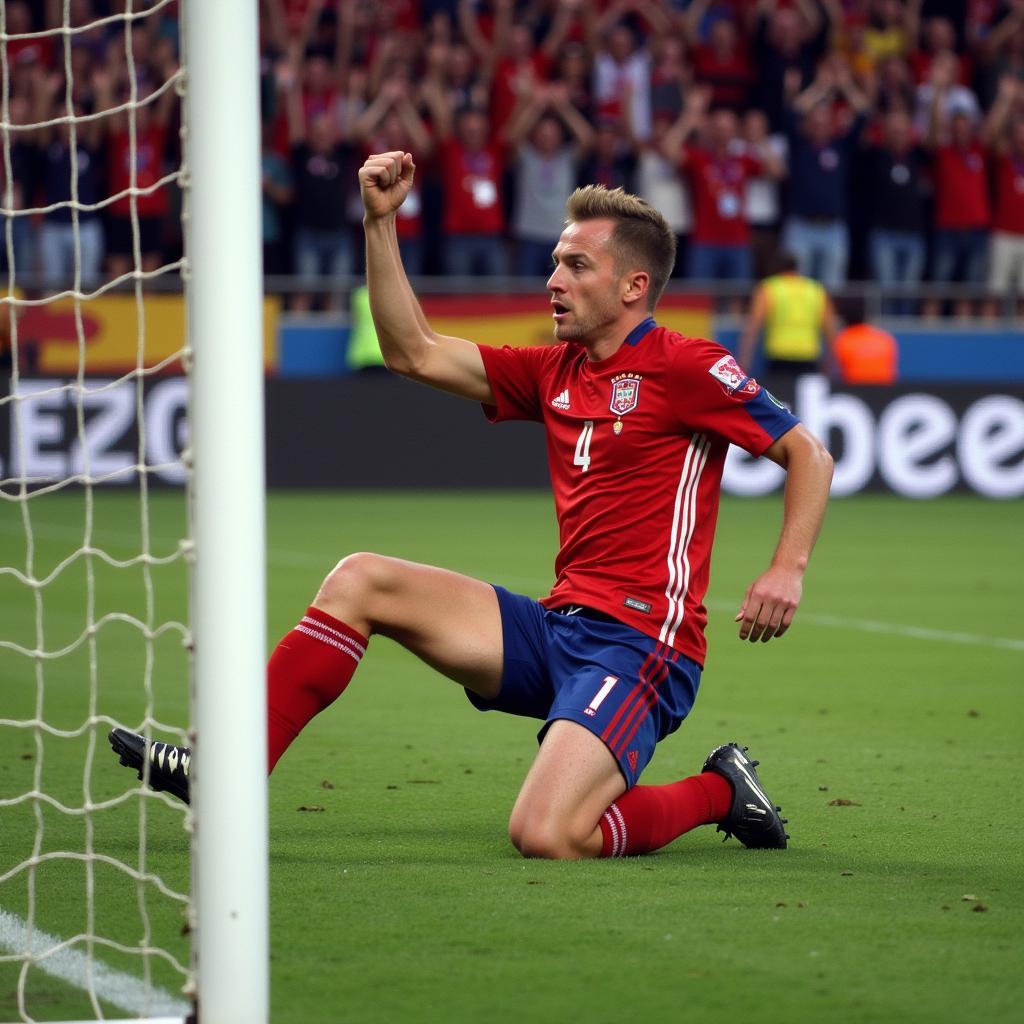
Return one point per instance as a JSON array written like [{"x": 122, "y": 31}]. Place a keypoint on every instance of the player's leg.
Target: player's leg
[
  {"x": 573, "y": 803},
  {"x": 448, "y": 620},
  {"x": 616, "y": 694},
  {"x": 571, "y": 782}
]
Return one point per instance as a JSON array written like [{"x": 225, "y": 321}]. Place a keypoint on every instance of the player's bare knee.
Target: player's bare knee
[
  {"x": 351, "y": 585},
  {"x": 543, "y": 840}
]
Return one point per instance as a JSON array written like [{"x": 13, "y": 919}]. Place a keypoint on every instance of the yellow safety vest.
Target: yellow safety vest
[
  {"x": 796, "y": 310},
  {"x": 363, "y": 347}
]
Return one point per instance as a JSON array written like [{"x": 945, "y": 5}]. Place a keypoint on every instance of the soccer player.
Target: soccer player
[{"x": 638, "y": 420}]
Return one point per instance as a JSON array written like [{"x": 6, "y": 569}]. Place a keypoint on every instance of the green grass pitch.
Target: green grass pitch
[{"x": 895, "y": 752}]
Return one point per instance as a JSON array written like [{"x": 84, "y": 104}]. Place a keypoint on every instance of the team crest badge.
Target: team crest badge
[{"x": 625, "y": 394}]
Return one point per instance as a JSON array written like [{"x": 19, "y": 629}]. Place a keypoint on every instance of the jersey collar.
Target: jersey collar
[{"x": 643, "y": 328}]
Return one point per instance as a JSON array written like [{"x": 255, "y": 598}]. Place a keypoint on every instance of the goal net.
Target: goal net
[{"x": 116, "y": 544}]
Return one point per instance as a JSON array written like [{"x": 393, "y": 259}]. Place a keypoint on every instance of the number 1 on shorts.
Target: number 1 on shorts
[{"x": 591, "y": 709}]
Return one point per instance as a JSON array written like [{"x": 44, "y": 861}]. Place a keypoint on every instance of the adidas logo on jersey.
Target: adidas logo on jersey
[{"x": 561, "y": 401}]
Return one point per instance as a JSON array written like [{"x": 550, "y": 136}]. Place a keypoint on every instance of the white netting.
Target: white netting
[{"x": 93, "y": 581}]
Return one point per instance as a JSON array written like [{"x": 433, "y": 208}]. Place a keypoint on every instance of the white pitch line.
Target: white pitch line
[
  {"x": 122, "y": 990},
  {"x": 894, "y": 629}
]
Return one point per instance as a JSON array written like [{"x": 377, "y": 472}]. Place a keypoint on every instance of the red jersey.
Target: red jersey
[
  {"x": 149, "y": 155},
  {"x": 504, "y": 94},
  {"x": 472, "y": 190},
  {"x": 636, "y": 446},
  {"x": 961, "y": 188},
  {"x": 1009, "y": 205},
  {"x": 729, "y": 77},
  {"x": 719, "y": 196}
]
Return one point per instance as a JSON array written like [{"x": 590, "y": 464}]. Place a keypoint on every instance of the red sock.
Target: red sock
[
  {"x": 649, "y": 817},
  {"x": 308, "y": 671}
]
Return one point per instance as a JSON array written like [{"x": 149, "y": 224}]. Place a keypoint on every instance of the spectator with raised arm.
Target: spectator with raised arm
[
  {"x": 472, "y": 179},
  {"x": 820, "y": 155},
  {"x": 944, "y": 96},
  {"x": 1002, "y": 51},
  {"x": 24, "y": 156},
  {"x": 720, "y": 61},
  {"x": 152, "y": 205},
  {"x": 622, "y": 62},
  {"x": 612, "y": 160},
  {"x": 671, "y": 79},
  {"x": 786, "y": 40},
  {"x": 277, "y": 195},
  {"x": 322, "y": 164},
  {"x": 517, "y": 61},
  {"x": 939, "y": 36},
  {"x": 392, "y": 122},
  {"x": 573, "y": 69},
  {"x": 718, "y": 174},
  {"x": 962, "y": 209},
  {"x": 1004, "y": 134},
  {"x": 660, "y": 183},
  {"x": 764, "y": 191},
  {"x": 62, "y": 164},
  {"x": 893, "y": 87},
  {"x": 546, "y": 167},
  {"x": 894, "y": 179},
  {"x": 451, "y": 83}
]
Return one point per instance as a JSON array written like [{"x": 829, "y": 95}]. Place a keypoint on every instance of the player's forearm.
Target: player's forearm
[
  {"x": 402, "y": 330},
  {"x": 808, "y": 477}
]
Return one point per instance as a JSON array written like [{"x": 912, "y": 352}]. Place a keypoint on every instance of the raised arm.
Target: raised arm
[
  {"x": 415, "y": 127},
  {"x": 817, "y": 92},
  {"x": 565, "y": 13},
  {"x": 528, "y": 109},
  {"x": 673, "y": 142},
  {"x": 289, "y": 79},
  {"x": 691, "y": 19},
  {"x": 369, "y": 120},
  {"x": 579, "y": 127},
  {"x": 936, "y": 133},
  {"x": 486, "y": 51},
  {"x": 813, "y": 21},
  {"x": 772, "y": 599},
  {"x": 408, "y": 343},
  {"x": 993, "y": 131},
  {"x": 854, "y": 95}
]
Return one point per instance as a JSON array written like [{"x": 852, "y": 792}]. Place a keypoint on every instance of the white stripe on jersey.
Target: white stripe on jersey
[
  {"x": 684, "y": 519},
  {"x": 670, "y": 589}
]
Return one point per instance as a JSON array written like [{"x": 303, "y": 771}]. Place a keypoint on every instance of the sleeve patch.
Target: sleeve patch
[{"x": 733, "y": 380}]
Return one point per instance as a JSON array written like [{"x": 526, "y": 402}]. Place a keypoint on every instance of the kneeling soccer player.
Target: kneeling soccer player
[{"x": 638, "y": 422}]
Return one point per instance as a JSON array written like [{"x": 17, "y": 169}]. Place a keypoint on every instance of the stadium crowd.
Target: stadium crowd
[{"x": 872, "y": 139}]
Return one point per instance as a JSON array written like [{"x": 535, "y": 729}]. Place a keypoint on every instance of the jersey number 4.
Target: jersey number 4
[{"x": 582, "y": 457}]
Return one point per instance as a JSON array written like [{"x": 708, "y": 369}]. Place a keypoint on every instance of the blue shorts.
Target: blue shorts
[{"x": 628, "y": 689}]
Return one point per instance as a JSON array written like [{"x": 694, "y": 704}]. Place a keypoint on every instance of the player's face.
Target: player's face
[{"x": 585, "y": 286}]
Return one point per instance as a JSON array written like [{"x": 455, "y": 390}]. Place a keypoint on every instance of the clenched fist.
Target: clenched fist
[{"x": 384, "y": 182}]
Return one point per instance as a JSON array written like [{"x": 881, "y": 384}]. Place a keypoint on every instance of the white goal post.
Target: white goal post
[
  {"x": 223, "y": 247},
  {"x": 221, "y": 272}
]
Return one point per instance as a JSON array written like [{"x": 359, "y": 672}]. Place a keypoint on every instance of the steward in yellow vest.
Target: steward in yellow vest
[{"x": 797, "y": 319}]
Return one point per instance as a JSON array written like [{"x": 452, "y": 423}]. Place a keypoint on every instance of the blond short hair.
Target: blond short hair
[{"x": 641, "y": 239}]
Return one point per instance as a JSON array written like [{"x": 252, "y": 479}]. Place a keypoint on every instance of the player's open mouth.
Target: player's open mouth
[{"x": 559, "y": 311}]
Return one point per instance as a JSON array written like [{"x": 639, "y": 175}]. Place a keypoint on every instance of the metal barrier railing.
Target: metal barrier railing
[{"x": 1004, "y": 309}]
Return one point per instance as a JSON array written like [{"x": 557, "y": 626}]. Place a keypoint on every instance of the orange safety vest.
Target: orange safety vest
[{"x": 866, "y": 355}]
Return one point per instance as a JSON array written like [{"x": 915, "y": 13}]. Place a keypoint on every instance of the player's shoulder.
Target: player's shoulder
[
  {"x": 540, "y": 358},
  {"x": 687, "y": 352},
  {"x": 696, "y": 361}
]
